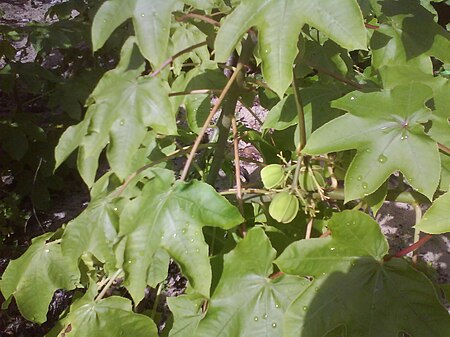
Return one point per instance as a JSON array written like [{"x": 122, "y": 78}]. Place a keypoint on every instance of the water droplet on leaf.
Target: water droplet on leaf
[
  {"x": 255, "y": 318},
  {"x": 352, "y": 98},
  {"x": 265, "y": 316},
  {"x": 305, "y": 308},
  {"x": 382, "y": 158},
  {"x": 359, "y": 178},
  {"x": 175, "y": 235},
  {"x": 332, "y": 248},
  {"x": 365, "y": 186},
  {"x": 274, "y": 325}
]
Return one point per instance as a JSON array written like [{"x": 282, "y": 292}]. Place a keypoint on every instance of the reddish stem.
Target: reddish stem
[
  {"x": 368, "y": 25},
  {"x": 414, "y": 246},
  {"x": 276, "y": 275}
]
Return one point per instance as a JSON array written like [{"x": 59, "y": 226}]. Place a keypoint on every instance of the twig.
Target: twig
[
  {"x": 260, "y": 122},
  {"x": 194, "y": 92},
  {"x": 208, "y": 121},
  {"x": 418, "y": 212},
  {"x": 172, "y": 155},
  {"x": 155, "y": 304},
  {"x": 108, "y": 285},
  {"x": 414, "y": 246},
  {"x": 173, "y": 57},
  {"x": 199, "y": 17},
  {"x": 331, "y": 74},
  {"x": 444, "y": 148},
  {"x": 309, "y": 228},
  {"x": 237, "y": 169}
]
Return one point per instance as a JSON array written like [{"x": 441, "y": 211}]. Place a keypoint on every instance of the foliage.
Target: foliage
[{"x": 357, "y": 100}]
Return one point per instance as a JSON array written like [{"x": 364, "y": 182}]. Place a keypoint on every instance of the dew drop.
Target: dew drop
[
  {"x": 122, "y": 122},
  {"x": 368, "y": 150},
  {"x": 404, "y": 137},
  {"x": 192, "y": 240},
  {"x": 184, "y": 231},
  {"x": 305, "y": 308},
  {"x": 323, "y": 274},
  {"x": 274, "y": 325},
  {"x": 162, "y": 237},
  {"x": 255, "y": 318},
  {"x": 316, "y": 289},
  {"x": 175, "y": 235},
  {"x": 359, "y": 178},
  {"x": 142, "y": 14},
  {"x": 382, "y": 158},
  {"x": 47, "y": 250},
  {"x": 265, "y": 316},
  {"x": 197, "y": 250},
  {"x": 352, "y": 98},
  {"x": 115, "y": 209},
  {"x": 365, "y": 186},
  {"x": 332, "y": 248},
  {"x": 129, "y": 261},
  {"x": 277, "y": 305}
]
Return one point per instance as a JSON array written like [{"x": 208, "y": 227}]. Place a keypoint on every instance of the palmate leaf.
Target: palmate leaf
[
  {"x": 408, "y": 34},
  {"x": 123, "y": 106},
  {"x": 246, "y": 301},
  {"x": 171, "y": 217},
  {"x": 437, "y": 218},
  {"x": 36, "y": 275},
  {"x": 151, "y": 22},
  {"x": 355, "y": 289},
  {"x": 342, "y": 22},
  {"x": 385, "y": 127},
  {"x": 112, "y": 316}
]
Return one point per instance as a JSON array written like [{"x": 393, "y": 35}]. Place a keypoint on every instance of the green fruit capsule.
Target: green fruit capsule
[
  {"x": 306, "y": 180},
  {"x": 284, "y": 207},
  {"x": 272, "y": 175}
]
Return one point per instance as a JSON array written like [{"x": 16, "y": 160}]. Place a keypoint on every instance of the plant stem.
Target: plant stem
[
  {"x": 237, "y": 169},
  {"x": 108, "y": 285},
  {"x": 173, "y": 57},
  {"x": 155, "y": 304},
  {"x": 309, "y": 228},
  {"x": 208, "y": 121},
  {"x": 418, "y": 212},
  {"x": 301, "y": 116},
  {"x": 331, "y": 74},
  {"x": 444, "y": 148},
  {"x": 414, "y": 246},
  {"x": 199, "y": 17}
]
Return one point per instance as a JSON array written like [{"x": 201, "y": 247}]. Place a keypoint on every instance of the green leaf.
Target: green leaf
[
  {"x": 151, "y": 21},
  {"x": 444, "y": 184},
  {"x": 36, "y": 275},
  {"x": 93, "y": 231},
  {"x": 408, "y": 34},
  {"x": 316, "y": 105},
  {"x": 187, "y": 312},
  {"x": 277, "y": 40},
  {"x": 386, "y": 129},
  {"x": 246, "y": 301},
  {"x": 171, "y": 218},
  {"x": 436, "y": 220},
  {"x": 353, "y": 286},
  {"x": 440, "y": 129},
  {"x": 123, "y": 106},
  {"x": 113, "y": 315}
]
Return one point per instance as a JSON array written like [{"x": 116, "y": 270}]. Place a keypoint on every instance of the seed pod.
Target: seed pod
[
  {"x": 272, "y": 175},
  {"x": 284, "y": 207},
  {"x": 306, "y": 180}
]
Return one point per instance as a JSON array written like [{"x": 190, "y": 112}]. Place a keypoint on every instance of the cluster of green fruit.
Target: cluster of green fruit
[{"x": 285, "y": 204}]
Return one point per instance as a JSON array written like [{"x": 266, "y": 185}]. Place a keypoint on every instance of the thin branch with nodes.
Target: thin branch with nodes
[
  {"x": 208, "y": 121},
  {"x": 173, "y": 57},
  {"x": 237, "y": 169}
]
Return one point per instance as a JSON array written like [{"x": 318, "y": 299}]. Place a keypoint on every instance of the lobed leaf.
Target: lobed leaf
[
  {"x": 353, "y": 286},
  {"x": 246, "y": 301},
  {"x": 386, "y": 129},
  {"x": 277, "y": 40},
  {"x": 171, "y": 217},
  {"x": 36, "y": 275},
  {"x": 436, "y": 220}
]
